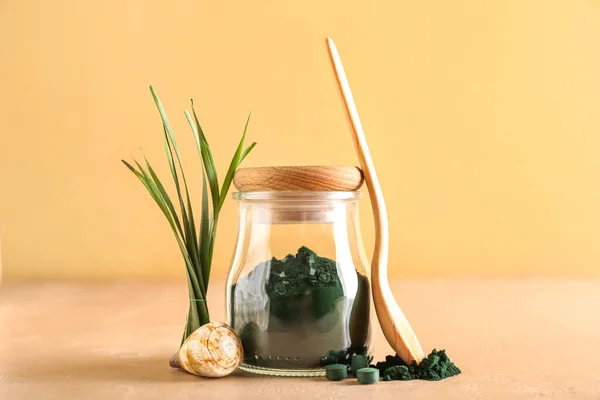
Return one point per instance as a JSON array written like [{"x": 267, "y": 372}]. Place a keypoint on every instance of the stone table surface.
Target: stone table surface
[{"x": 513, "y": 339}]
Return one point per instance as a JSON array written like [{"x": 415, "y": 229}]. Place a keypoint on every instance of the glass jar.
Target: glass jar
[{"x": 298, "y": 293}]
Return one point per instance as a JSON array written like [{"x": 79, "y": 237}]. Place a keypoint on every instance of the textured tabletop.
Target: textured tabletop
[{"x": 513, "y": 339}]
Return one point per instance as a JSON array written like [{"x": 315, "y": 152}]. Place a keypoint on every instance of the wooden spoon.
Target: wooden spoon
[{"x": 394, "y": 324}]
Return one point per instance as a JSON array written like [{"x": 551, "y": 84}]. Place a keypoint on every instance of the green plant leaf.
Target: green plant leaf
[
  {"x": 235, "y": 161},
  {"x": 190, "y": 234},
  {"x": 197, "y": 289},
  {"x": 155, "y": 194},
  {"x": 247, "y": 151},
  {"x": 190, "y": 259},
  {"x": 188, "y": 221},
  {"x": 208, "y": 160},
  {"x": 164, "y": 194},
  {"x": 205, "y": 238},
  {"x": 196, "y": 243},
  {"x": 142, "y": 176},
  {"x": 204, "y": 234},
  {"x": 170, "y": 146}
]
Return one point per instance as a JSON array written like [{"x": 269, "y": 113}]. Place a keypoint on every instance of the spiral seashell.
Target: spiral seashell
[{"x": 213, "y": 350}]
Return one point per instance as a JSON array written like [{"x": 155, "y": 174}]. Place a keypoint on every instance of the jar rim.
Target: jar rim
[{"x": 297, "y": 196}]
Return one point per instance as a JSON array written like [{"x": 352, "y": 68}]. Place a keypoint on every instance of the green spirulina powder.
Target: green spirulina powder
[
  {"x": 293, "y": 276},
  {"x": 434, "y": 367},
  {"x": 290, "y": 312}
]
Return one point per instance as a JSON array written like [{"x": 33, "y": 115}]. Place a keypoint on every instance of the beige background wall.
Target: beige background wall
[{"x": 483, "y": 118}]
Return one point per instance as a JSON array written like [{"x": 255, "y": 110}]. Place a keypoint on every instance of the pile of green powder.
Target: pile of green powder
[
  {"x": 292, "y": 277},
  {"x": 434, "y": 367}
]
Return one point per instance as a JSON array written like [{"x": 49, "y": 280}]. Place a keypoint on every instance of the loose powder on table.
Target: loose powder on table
[{"x": 434, "y": 367}]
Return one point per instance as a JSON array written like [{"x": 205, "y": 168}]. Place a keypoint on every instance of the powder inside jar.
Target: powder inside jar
[{"x": 291, "y": 312}]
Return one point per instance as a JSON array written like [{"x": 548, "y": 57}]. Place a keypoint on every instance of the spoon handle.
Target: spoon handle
[{"x": 394, "y": 324}]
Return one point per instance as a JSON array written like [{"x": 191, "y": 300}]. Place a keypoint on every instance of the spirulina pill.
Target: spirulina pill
[
  {"x": 359, "y": 362},
  {"x": 336, "y": 372},
  {"x": 367, "y": 375}
]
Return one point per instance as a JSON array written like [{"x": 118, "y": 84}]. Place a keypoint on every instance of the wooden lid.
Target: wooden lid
[{"x": 298, "y": 179}]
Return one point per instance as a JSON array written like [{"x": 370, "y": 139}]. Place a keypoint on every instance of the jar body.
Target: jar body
[{"x": 298, "y": 287}]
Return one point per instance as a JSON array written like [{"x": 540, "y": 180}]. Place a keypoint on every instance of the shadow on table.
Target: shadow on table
[{"x": 105, "y": 369}]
